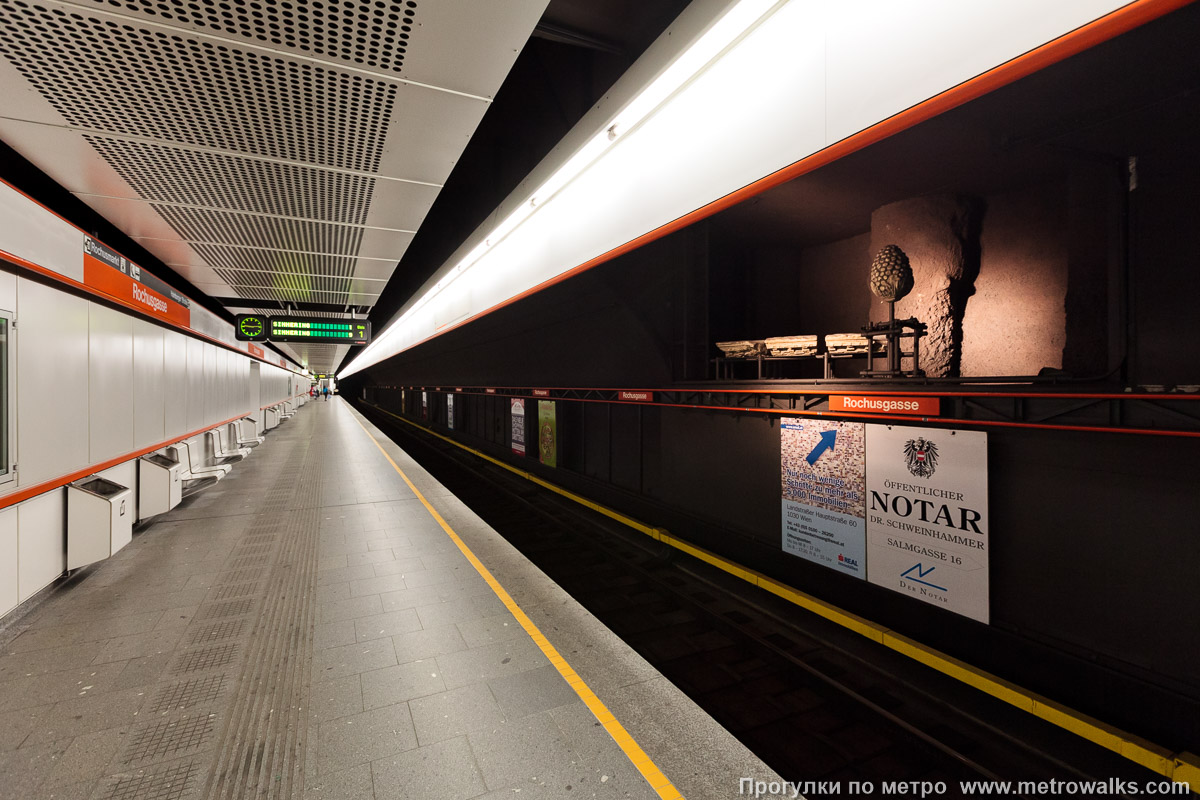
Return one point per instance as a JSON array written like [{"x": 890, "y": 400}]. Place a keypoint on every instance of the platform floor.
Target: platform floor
[{"x": 308, "y": 628}]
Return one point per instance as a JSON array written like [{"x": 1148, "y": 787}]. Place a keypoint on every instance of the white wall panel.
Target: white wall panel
[
  {"x": 33, "y": 233},
  {"x": 149, "y": 385},
  {"x": 41, "y": 541},
  {"x": 110, "y": 383},
  {"x": 175, "y": 383},
  {"x": 195, "y": 384},
  {"x": 884, "y": 56},
  {"x": 9, "y": 592},
  {"x": 8, "y": 291},
  {"x": 211, "y": 389},
  {"x": 52, "y": 384}
]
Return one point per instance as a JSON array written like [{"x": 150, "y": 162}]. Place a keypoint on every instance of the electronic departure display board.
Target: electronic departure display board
[
  {"x": 326, "y": 330},
  {"x": 315, "y": 329},
  {"x": 250, "y": 328}
]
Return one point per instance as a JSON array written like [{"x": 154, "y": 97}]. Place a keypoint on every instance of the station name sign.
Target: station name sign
[
  {"x": 876, "y": 404},
  {"x": 324, "y": 330},
  {"x": 636, "y": 397}
]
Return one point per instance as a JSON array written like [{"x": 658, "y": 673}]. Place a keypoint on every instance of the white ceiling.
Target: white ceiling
[{"x": 264, "y": 149}]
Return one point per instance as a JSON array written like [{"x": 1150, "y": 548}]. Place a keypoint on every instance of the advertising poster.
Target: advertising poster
[
  {"x": 547, "y": 430},
  {"x": 518, "y": 426},
  {"x": 927, "y": 515},
  {"x": 822, "y": 464},
  {"x": 450, "y": 411},
  {"x": 424, "y": 405}
]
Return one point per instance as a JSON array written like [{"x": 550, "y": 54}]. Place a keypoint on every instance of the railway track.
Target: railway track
[{"x": 810, "y": 707}]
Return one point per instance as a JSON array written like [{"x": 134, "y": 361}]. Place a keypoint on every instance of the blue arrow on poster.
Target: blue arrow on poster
[{"x": 827, "y": 440}]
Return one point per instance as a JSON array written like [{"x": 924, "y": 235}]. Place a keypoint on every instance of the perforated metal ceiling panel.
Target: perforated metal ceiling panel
[{"x": 269, "y": 150}]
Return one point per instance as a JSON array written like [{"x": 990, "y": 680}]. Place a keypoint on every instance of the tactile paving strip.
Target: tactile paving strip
[
  {"x": 240, "y": 576},
  {"x": 169, "y": 738},
  {"x": 249, "y": 561},
  {"x": 188, "y": 694},
  {"x": 215, "y": 633},
  {"x": 262, "y": 746},
  {"x": 230, "y": 609},
  {"x": 167, "y": 784},
  {"x": 237, "y": 590},
  {"x": 208, "y": 658}
]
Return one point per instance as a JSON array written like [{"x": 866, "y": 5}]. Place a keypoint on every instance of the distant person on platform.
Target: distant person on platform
[{"x": 325, "y": 393}]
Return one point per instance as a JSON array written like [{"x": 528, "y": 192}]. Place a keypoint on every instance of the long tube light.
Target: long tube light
[{"x": 735, "y": 23}]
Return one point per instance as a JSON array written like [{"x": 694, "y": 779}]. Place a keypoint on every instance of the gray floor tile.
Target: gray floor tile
[
  {"x": 449, "y": 612},
  {"x": 372, "y": 556},
  {"x": 332, "y": 591},
  {"x": 87, "y": 757},
  {"x": 340, "y": 697},
  {"x": 332, "y": 634},
  {"x": 15, "y": 726},
  {"x": 532, "y": 691},
  {"x": 349, "y": 609},
  {"x": 487, "y": 630},
  {"x": 328, "y": 563},
  {"x": 82, "y": 715},
  {"x": 514, "y": 753},
  {"x": 392, "y": 623},
  {"x": 54, "y": 686},
  {"x": 429, "y": 577},
  {"x": 490, "y": 662},
  {"x": 344, "y": 574},
  {"x": 424, "y": 596},
  {"x": 428, "y": 643},
  {"x": 349, "y": 784},
  {"x": 360, "y": 738},
  {"x": 27, "y": 769},
  {"x": 124, "y": 648},
  {"x": 337, "y": 662},
  {"x": 397, "y": 566},
  {"x": 454, "y": 712},
  {"x": 53, "y": 659},
  {"x": 378, "y": 584},
  {"x": 401, "y": 683},
  {"x": 442, "y": 771}
]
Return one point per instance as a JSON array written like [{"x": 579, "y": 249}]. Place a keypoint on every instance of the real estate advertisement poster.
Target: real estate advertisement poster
[
  {"x": 822, "y": 474},
  {"x": 518, "y": 426},
  {"x": 450, "y": 411},
  {"x": 547, "y": 433},
  {"x": 927, "y": 515}
]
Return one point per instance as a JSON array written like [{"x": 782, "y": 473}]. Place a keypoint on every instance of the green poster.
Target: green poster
[{"x": 547, "y": 446}]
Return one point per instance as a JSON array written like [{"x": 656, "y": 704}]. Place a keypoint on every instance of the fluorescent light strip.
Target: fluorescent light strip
[{"x": 727, "y": 30}]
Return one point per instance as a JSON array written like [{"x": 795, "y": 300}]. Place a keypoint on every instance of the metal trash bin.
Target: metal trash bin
[
  {"x": 160, "y": 485},
  {"x": 99, "y": 520}
]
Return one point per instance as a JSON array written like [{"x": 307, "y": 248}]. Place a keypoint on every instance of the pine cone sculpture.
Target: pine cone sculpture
[{"x": 891, "y": 275}]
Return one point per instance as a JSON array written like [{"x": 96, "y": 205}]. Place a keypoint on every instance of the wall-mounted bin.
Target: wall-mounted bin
[
  {"x": 99, "y": 520},
  {"x": 160, "y": 485}
]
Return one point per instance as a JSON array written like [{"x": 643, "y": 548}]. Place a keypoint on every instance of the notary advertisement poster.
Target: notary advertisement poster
[
  {"x": 518, "y": 426},
  {"x": 450, "y": 411},
  {"x": 547, "y": 433},
  {"x": 822, "y": 463},
  {"x": 927, "y": 515}
]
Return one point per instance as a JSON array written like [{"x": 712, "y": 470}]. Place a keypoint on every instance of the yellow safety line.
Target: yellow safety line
[
  {"x": 650, "y": 771},
  {"x": 1183, "y": 767}
]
